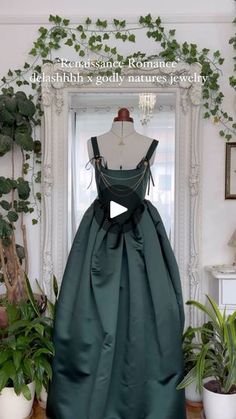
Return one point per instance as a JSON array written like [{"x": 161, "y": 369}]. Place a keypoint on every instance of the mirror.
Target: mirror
[
  {"x": 91, "y": 114},
  {"x": 74, "y": 112}
]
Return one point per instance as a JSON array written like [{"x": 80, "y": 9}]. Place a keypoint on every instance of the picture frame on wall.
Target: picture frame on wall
[{"x": 230, "y": 171}]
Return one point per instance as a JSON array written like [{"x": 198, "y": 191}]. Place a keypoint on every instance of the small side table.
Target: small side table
[{"x": 224, "y": 286}]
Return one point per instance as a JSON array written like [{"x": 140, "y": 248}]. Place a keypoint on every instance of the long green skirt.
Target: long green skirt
[{"x": 118, "y": 325}]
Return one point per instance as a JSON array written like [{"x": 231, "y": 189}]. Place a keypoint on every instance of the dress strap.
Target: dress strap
[
  {"x": 96, "y": 151},
  {"x": 147, "y": 158},
  {"x": 151, "y": 149}
]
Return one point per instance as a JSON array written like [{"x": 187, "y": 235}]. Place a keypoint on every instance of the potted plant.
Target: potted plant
[
  {"x": 190, "y": 349},
  {"x": 26, "y": 350},
  {"x": 51, "y": 305},
  {"x": 17, "y": 117},
  {"x": 215, "y": 368}
]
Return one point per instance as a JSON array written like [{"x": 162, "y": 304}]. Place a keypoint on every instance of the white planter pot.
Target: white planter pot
[
  {"x": 13, "y": 406},
  {"x": 191, "y": 393},
  {"x": 219, "y": 406},
  {"x": 43, "y": 398}
]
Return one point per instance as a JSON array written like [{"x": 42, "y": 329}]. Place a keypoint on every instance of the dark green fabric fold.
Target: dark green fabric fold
[{"x": 118, "y": 325}]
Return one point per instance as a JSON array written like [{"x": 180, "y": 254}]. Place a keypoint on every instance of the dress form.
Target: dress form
[{"x": 122, "y": 147}]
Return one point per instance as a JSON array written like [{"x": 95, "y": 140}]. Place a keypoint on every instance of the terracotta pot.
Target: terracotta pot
[{"x": 217, "y": 405}]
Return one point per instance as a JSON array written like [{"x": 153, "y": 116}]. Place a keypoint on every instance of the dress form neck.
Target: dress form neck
[{"x": 122, "y": 128}]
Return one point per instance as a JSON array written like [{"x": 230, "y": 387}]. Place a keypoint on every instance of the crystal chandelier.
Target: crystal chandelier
[{"x": 146, "y": 105}]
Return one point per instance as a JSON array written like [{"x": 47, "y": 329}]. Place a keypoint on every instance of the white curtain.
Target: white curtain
[{"x": 86, "y": 122}]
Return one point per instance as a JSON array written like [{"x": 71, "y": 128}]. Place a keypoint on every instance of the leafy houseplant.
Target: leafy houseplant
[
  {"x": 190, "y": 350},
  {"x": 51, "y": 306},
  {"x": 26, "y": 350},
  {"x": 216, "y": 362},
  {"x": 16, "y": 124}
]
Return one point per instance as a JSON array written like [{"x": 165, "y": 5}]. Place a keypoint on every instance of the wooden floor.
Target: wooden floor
[{"x": 39, "y": 413}]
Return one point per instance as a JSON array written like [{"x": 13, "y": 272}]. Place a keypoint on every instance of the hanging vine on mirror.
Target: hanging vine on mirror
[{"x": 96, "y": 37}]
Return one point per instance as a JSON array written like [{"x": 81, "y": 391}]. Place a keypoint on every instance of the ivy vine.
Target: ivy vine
[
  {"x": 21, "y": 114},
  {"x": 96, "y": 36}
]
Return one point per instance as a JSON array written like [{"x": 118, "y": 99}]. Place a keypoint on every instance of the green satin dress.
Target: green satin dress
[{"x": 119, "y": 317}]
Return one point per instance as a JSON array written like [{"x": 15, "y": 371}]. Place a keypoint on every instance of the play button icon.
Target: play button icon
[{"x": 116, "y": 209}]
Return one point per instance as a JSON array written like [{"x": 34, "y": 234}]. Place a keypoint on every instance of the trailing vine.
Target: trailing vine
[
  {"x": 94, "y": 37},
  {"x": 232, "y": 41}
]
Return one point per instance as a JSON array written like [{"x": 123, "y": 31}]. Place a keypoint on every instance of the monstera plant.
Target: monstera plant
[{"x": 16, "y": 146}]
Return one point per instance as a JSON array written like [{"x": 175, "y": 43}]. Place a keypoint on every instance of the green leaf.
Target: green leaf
[
  {"x": 216, "y": 54},
  {"x": 11, "y": 104},
  {"x": 38, "y": 386},
  {"x": 3, "y": 379},
  {"x": 5, "y": 229},
  {"x": 26, "y": 107},
  {"x": 200, "y": 365},
  {"x": 5, "y": 144},
  {"x": 66, "y": 22},
  {"x": 26, "y": 392},
  {"x": 69, "y": 42},
  {"x": 38, "y": 196},
  {"x": 23, "y": 128},
  {"x": 80, "y": 28},
  {"x": 131, "y": 38},
  {"x": 42, "y": 351},
  {"x": 55, "y": 286},
  {"x": 12, "y": 313},
  {"x": 4, "y": 356},
  {"x": 34, "y": 221},
  {"x": 39, "y": 328},
  {"x": 9, "y": 368},
  {"x": 25, "y": 141},
  {"x": 88, "y": 21},
  {"x": 23, "y": 188},
  {"x": 31, "y": 295},
  {"x": 6, "y": 117},
  {"x": 5, "y": 205},
  {"x": 17, "y": 357},
  {"x": 43, "y": 31},
  {"x": 33, "y": 52},
  {"x": 12, "y": 216},
  {"x": 188, "y": 379},
  {"x": 205, "y": 310},
  {"x": 5, "y": 185},
  {"x": 28, "y": 368},
  {"x": 46, "y": 366},
  {"x": 19, "y": 381}
]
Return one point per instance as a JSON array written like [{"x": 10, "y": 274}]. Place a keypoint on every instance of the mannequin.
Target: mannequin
[
  {"x": 122, "y": 147},
  {"x": 120, "y": 315}
]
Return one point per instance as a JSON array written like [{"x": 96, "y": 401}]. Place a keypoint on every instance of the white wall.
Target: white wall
[
  {"x": 206, "y": 23},
  {"x": 122, "y": 7}
]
